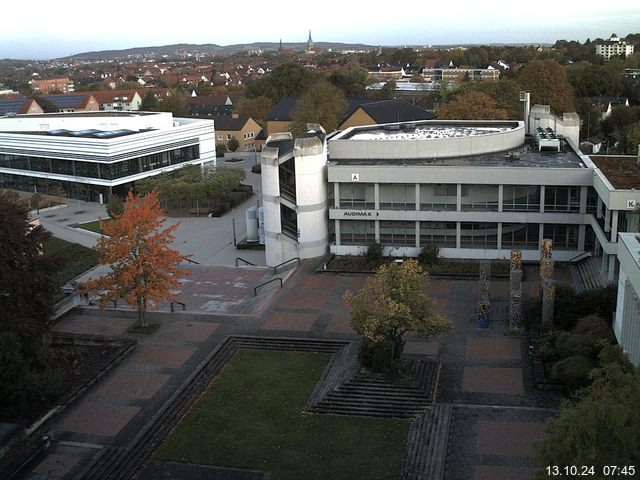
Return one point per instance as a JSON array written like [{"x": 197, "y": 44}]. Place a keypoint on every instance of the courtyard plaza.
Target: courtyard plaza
[{"x": 497, "y": 413}]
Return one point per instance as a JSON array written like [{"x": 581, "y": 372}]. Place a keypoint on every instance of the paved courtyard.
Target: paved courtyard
[{"x": 497, "y": 413}]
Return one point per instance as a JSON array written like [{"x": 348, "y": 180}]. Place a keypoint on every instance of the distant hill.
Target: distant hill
[{"x": 184, "y": 49}]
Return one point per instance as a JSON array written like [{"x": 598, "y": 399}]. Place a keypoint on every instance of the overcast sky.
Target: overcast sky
[{"x": 42, "y": 29}]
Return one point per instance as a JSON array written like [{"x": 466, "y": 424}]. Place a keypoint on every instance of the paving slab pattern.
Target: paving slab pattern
[{"x": 479, "y": 367}]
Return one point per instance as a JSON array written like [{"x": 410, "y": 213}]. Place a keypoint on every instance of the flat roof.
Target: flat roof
[
  {"x": 409, "y": 131},
  {"x": 526, "y": 156},
  {"x": 622, "y": 172},
  {"x": 100, "y": 113}
]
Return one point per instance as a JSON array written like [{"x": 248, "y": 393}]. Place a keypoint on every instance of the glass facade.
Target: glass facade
[
  {"x": 562, "y": 199},
  {"x": 438, "y": 196},
  {"x": 102, "y": 171},
  {"x": 478, "y": 235},
  {"x": 480, "y": 198},
  {"x": 520, "y": 235},
  {"x": 357, "y": 232},
  {"x": 520, "y": 198},
  {"x": 564, "y": 237},
  {"x": 398, "y": 233},
  {"x": 398, "y": 196},
  {"x": 442, "y": 234},
  {"x": 357, "y": 196}
]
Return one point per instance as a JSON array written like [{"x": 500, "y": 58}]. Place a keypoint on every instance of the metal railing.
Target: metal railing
[
  {"x": 579, "y": 257},
  {"x": 255, "y": 289},
  {"x": 245, "y": 261},
  {"x": 191, "y": 261},
  {"x": 184, "y": 307},
  {"x": 275, "y": 269}
]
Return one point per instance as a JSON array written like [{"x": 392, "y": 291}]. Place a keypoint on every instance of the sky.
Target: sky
[{"x": 51, "y": 29}]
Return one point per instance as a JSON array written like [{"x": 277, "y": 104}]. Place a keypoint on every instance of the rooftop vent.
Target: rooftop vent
[{"x": 546, "y": 139}]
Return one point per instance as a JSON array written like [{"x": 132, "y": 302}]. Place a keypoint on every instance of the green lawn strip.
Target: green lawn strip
[
  {"x": 92, "y": 226},
  {"x": 252, "y": 417},
  {"x": 73, "y": 259}
]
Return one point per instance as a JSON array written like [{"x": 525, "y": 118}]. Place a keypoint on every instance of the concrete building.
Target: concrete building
[
  {"x": 614, "y": 47},
  {"x": 294, "y": 196},
  {"x": 52, "y": 85},
  {"x": 476, "y": 189},
  {"x": 626, "y": 325},
  {"x": 98, "y": 153}
]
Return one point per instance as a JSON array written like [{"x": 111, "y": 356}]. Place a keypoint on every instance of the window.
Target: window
[
  {"x": 357, "y": 232},
  {"x": 520, "y": 235},
  {"x": 397, "y": 196},
  {"x": 398, "y": 233},
  {"x": 564, "y": 237},
  {"x": 561, "y": 199},
  {"x": 438, "y": 197},
  {"x": 480, "y": 198},
  {"x": 229, "y": 137},
  {"x": 442, "y": 234},
  {"x": 520, "y": 198},
  {"x": 357, "y": 196},
  {"x": 479, "y": 235},
  {"x": 220, "y": 137}
]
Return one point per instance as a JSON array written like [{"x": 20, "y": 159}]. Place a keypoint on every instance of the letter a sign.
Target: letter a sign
[{"x": 355, "y": 177}]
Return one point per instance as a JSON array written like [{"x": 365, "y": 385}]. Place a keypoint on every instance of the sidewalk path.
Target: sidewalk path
[{"x": 497, "y": 414}]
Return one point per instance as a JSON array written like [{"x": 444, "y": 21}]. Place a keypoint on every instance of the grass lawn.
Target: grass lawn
[
  {"x": 252, "y": 417},
  {"x": 92, "y": 226},
  {"x": 73, "y": 259}
]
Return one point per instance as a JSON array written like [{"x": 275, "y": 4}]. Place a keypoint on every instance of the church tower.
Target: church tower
[{"x": 310, "y": 44}]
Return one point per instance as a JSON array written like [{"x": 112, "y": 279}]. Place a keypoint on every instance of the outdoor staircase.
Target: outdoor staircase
[
  {"x": 376, "y": 395},
  {"x": 586, "y": 274},
  {"x": 427, "y": 445}
]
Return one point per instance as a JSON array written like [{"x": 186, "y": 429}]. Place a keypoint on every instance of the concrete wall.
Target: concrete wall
[
  {"x": 626, "y": 325},
  {"x": 346, "y": 148}
]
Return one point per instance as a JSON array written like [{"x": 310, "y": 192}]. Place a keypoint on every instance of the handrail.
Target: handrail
[
  {"x": 245, "y": 261},
  {"x": 255, "y": 289},
  {"x": 284, "y": 263},
  {"x": 580, "y": 256},
  {"x": 173, "y": 303},
  {"x": 191, "y": 261}
]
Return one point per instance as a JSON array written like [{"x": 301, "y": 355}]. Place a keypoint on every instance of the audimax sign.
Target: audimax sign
[{"x": 360, "y": 214}]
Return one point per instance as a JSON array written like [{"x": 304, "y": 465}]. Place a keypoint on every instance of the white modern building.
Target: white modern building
[
  {"x": 613, "y": 48},
  {"x": 99, "y": 151},
  {"x": 294, "y": 195},
  {"x": 626, "y": 325},
  {"x": 476, "y": 189}
]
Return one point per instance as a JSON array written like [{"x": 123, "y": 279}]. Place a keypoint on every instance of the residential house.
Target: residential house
[
  {"x": 607, "y": 104},
  {"x": 614, "y": 47},
  {"x": 19, "y": 106},
  {"x": 51, "y": 85},
  {"x": 212, "y": 105},
  {"x": 244, "y": 129},
  {"x": 360, "y": 111},
  {"x": 73, "y": 102},
  {"x": 367, "y": 111},
  {"x": 117, "y": 100}
]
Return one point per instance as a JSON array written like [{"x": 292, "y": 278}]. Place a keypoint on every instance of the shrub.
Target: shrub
[
  {"x": 115, "y": 205},
  {"x": 593, "y": 325},
  {"x": 573, "y": 371},
  {"x": 429, "y": 254},
  {"x": 374, "y": 253},
  {"x": 221, "y": 148}
]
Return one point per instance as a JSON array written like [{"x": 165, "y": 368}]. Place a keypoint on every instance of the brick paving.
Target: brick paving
[
  {"x": 98, "y": 418},
  {"x": 479, "y": 367}
]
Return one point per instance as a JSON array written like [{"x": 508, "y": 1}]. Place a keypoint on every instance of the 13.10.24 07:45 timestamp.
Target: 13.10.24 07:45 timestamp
[{"x": 570, "y": 471}]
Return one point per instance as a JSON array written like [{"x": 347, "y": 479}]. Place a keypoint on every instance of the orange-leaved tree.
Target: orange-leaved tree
[{"x": 144, "y": 269}]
